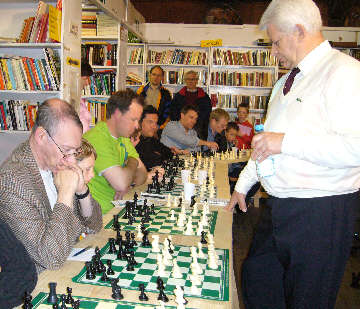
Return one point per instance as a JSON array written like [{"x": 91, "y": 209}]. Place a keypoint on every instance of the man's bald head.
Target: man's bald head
[{"x": 53, "y": 112}]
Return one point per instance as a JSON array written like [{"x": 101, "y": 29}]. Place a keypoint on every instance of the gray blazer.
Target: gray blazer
[{"x": 48, "y": 235}]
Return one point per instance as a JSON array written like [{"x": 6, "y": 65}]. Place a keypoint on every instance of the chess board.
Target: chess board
[
  {"x": 214, "y": 286},
  {"x": 178, "y": 188},
  {"x": 39, "y": 302},
  {"x": 161, "y": 224}
]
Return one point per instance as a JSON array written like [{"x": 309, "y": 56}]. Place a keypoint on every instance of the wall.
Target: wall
[{"x": 232, "y": 35}]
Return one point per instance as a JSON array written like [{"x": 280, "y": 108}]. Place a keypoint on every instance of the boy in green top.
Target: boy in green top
[{"x": 117, "y": 165}]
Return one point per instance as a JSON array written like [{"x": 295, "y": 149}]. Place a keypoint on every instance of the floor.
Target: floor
[{"x": 243, "y": 228}]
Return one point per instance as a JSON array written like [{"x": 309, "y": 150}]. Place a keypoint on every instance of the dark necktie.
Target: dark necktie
[{"x": 290, "y": 80}]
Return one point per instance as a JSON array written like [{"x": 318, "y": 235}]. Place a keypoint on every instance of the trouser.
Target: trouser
[{"x": 299, "y": 251}]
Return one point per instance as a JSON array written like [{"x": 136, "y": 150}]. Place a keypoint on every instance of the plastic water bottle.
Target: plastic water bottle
[{"x": 265, "y": 168}]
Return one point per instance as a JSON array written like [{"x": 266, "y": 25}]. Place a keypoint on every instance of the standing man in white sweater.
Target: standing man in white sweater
[{"x": 308, "y": 161}]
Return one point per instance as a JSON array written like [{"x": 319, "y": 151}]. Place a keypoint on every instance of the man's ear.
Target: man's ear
[
  {"x": 40, "y": 135},
  {"x": 300, "y": 31}
]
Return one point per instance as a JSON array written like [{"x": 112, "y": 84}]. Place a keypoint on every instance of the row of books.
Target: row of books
[
  {"x": 246, "y": 79},
  {"x": 234, "y": 100},
  {"x": 23, "y": 73},
  {"x": 355, "y": 53},
  {"x": 101, "y": 83},
  {"x": 98, "y": 25},
  {"x": 45, "y": 26},
  {"x": 17, "y": 115},
  {"x": 177, "y": 56},
  {"x": 133, "y": 79},
  {"x": 97, "y": 109},
  {"x": 177, "y": 77},
  {"x": 99, "y": 53},
  {"x": 250, "y": 57},
  {"x": 136, "y": 56}
]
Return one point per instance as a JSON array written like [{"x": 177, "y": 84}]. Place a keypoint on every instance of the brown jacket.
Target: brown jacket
[{"x": 48, "y": 235}]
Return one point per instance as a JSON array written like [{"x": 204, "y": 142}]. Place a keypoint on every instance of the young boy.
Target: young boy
[
  {"x": 227, "y": 140},
  {"x": 246, "y": 130}
]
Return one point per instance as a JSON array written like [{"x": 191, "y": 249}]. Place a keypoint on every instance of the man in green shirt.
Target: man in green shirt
[{"x": 117, "y": 165}]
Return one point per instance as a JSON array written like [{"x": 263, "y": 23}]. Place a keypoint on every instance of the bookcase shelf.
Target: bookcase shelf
[
  {"x": 20, "y": 102},
  {"x": 104, "y": 67},
  {"x": 177, "y": 65}
]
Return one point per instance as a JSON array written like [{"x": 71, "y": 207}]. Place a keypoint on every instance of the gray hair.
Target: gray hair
[
  {"x": 191, "y": 72},
  {"x": 52, "y": 112},
  {"x": 286, "y": 14}
]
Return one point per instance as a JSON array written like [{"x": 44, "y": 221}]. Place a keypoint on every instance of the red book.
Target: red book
[
  {"x": 2, "y": 114},
  {"x": 28, "y": 73}
]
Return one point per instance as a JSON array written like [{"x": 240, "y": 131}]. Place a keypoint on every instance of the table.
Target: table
[{"x": 223, "y": 239}]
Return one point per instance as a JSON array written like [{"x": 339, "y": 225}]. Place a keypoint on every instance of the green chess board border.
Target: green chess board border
[
  {"x": 92, "y": 303},
  {"x": 149, "y": 226},
  {"x": 224, "y": 278}
]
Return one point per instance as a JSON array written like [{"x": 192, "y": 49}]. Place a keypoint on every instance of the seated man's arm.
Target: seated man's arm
[
  {"x": 47, "y": 235},
  {"x": 172, "y": 133},
  {"x": 140, "y": 174}
]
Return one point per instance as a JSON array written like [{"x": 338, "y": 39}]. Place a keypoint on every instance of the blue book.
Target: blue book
[{"x": 11, "y": 74}]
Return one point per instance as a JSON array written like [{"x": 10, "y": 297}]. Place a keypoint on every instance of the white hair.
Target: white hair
[{"x": 286, "y": 14}]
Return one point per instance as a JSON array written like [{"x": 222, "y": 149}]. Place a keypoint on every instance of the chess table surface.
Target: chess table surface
[{"x": 222, "y": 237}]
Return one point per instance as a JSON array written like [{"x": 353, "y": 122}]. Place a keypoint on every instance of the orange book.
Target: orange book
[
  {"x": 27, "y": 72},
  {"x": 2, "y": 84},
  {"x": 34, "y": 72}
]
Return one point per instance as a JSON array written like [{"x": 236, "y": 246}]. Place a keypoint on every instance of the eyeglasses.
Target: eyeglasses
[
  {"x": 277, "y": 42},
  {"x": 65, "y": 155}
]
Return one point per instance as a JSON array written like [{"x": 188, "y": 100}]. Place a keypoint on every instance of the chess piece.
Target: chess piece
[
  {"x": 116, "y": 224},
  {"x": 104, "y": 277},
  {"x": 129, "y": 266},
  {"x": 69, "y": 299},
  {"x": 76, "y": 304},
  {"x": 145, "y": 240},
  {"x": 90, "y": 275},
  {"x": 62, "y": 299},
  {"x": 116, "y": 290},
  {"x": 52, "y": 299},
  {"x": 203, "y": 238},
  {"x": 110, "y": 271},
  {"x": 193, "y": 201},
  {"x": 142, "y": 296},
  {"x": 112, "y": 247},
  {"x": 27, "y": 301},
  {"x": 162, "y": 296}
]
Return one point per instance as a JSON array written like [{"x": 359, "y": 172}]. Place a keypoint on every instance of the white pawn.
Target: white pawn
[
  {"x": 212, "y": 263},
  {"x": 155, "y": 243},
  {"x": 180, "y": 300},
  {"x": 201, "y": 254},
  {"x": 168, "y": 204},
  {"x": 189, "y": 228},
  {"x": 193, "y": 252},
  {"x": 172, "y": 217},
  {"x": 181, "y": 220},
  {"x": 194, "y": 289},
  {"x": 175, "y": 201},
  {"x": 210, "y": 238},
  {"x": 166, "y": 257},
  {"x": 176, "y": 272}
]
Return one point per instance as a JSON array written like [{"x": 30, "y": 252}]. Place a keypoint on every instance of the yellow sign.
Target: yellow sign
[
  {"x": 208, "y": 43},
  {"x": 73, "y": 62}
]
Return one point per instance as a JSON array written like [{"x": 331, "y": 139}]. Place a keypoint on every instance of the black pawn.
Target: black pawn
[
  {"x": 132, "y": 258},
  {"x": 130, "y": 266},
  {"x": 69, "y": 298},
  {"x": 27, "y": 301},
  {"x": 160, "y": 283},
  {"x": 52, "y": 299},
  {"x": 121, "y": 254},
  {"x": 203, "y": 240},
  {"x": 110, "y": 271},
  {"x": 192, "y": 203},
  {"x": 142, "y": 296}
]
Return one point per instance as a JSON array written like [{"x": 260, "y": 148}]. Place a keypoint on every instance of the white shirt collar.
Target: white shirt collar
[{"x": 311, "y": 59}]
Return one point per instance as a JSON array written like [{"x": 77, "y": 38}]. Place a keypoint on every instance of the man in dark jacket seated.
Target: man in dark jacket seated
[
  {"x": 191, "y": 94},
  {"x": 152, "y": 153},
  {"x": 17, "y": 269}
]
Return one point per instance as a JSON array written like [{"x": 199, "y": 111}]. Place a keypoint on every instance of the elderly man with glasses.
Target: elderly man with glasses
[{"x": 43, "y": 196}]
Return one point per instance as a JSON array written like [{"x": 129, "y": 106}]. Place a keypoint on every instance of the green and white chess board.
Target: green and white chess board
[
  {"x": 214, "y": 283},
  {"x": 160, "y": 223}
]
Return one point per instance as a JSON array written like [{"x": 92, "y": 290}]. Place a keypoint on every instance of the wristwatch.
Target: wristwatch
[{"x": 82, "y": 196}]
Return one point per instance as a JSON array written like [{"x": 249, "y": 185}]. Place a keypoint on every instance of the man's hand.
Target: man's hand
[
  {"x": 119, "y": 194},
  {"x": 212, "y": 145},
  {"x": 66, "y": 181},
  {"x": 236, "y": 198},
  {"x": 266, "y": 144}
]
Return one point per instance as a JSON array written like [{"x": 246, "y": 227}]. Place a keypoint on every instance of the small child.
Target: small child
[
  {"x": 246, "y": 130},
  {"x": 228, "y": 140}
]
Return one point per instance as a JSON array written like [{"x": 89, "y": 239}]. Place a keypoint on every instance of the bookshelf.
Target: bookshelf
[
  {"x": 136, "y": 58},
  {"x": 33, "y": 72},
  {"x": 242, "y": 74}
]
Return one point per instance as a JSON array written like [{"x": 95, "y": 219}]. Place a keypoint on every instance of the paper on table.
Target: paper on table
[{"x": 85, "y": 256}]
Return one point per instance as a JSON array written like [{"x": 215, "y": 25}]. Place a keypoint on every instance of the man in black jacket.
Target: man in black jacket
[
  {"x": 152, "y": 153},
  {"x": 191, "y": 94},
  {"x": 17, "y": 270}
]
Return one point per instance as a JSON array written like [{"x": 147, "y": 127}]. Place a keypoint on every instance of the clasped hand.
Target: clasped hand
[
  {"x": 266, "y": 144},
  {"x": 70, "y": 179}
]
